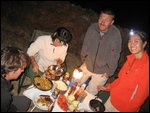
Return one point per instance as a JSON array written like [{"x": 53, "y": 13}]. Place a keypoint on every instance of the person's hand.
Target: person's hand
[
  {"x": 102, "y": 88},
  {"x": 106, "y": 75},
  {"x": 59, "y": 62},
  {"x": 35, "y": 68}
]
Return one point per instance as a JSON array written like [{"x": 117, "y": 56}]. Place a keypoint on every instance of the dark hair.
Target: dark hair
[
  {"x": 142, "y": 35},
  {"x": 109, "y": 12},
  {"x": 13, "y": 58},
  {"x": 62, "y": 34}
]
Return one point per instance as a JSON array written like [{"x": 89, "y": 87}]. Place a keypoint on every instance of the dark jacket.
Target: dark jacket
[
  {"x": 101, "y": 53},
  {"x": 6, "y": 97}
]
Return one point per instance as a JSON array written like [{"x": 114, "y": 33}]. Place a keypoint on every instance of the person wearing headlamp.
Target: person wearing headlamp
[{"x": 130, "y": 90}]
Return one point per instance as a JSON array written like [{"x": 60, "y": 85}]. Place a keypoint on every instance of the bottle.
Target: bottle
[
  {"x": 66, "y": 77},
  {"x": 73, "y": 88},
  {"x": 79, "y": 91}
]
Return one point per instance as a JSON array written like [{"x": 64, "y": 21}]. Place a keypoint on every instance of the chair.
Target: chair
[{"x": 35, "y": 34}]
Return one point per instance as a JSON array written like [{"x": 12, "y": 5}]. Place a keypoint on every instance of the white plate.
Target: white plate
[{"x": 39, "y": 105}]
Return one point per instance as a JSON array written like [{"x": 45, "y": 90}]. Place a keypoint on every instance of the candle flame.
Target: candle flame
[{"x": 77, "y": 74}]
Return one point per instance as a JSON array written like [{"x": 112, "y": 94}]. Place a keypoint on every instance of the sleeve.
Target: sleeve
[
  {"x": 85, "y": 44},
  {"x": 120, "y": 74},
  {"x": 35, "y": 46},
  {"x": 6, "y": 103},
  {"x": 115, "y": 50}
]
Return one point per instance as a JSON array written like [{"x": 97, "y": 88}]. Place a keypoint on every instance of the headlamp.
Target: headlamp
[
  {"x": 131, "y": 32},
  {"x": 142, "y": 35}
]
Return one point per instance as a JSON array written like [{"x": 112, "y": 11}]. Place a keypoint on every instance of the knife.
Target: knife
[{"x": 52, "y": 105}]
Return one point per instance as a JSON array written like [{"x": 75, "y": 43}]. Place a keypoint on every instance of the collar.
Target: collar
[{"x": 143, "y": 59}]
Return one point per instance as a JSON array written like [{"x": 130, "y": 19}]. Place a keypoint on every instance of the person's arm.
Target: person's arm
[
  {"x": 141, "y": 91},
  {"x": 103, "y": 88},
  {"x": 115, "y": 49},
  {"x": 6, "y": 103},
  {"x": 35, "y": 66},
  {"x": 33, "y": 50},
  {"x": 108, "y": 86}
]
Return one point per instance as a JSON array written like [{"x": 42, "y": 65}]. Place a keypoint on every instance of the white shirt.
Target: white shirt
[{"x": 45, "y": 53}]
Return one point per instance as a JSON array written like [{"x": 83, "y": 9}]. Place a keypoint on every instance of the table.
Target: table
[{"x": 31, "y": 91}]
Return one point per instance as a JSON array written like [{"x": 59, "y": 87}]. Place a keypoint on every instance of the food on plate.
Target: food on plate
[
  {"x": 70, "y": 98},
  {"x": 71, "y": 107},
  {"x": 54, "y": 72},
  {"x": 41, "y": 82},
  {"x": 75, "y": 103},
  {"x": 61, "y": 85},
  {"x": 62, "y": 102},
  {"x": 44, "y": 100},
  {"x": 76, "y": 110}
]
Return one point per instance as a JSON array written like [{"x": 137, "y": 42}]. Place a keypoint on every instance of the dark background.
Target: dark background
[
  {"x": 129, "y": 14},
  {"x": 20, "y": 19}
]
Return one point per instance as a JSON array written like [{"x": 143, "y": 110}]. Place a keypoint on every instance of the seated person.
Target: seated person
[
  {"x": 13, "y": 63},
  {"x": 130, "y": 90},
  {"x": 48, "y": 50}
]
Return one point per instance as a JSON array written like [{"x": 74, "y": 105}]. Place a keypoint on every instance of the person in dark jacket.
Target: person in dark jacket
[
  {"x": 100, "y": 51},
  {"x": 13, "y": 63}
]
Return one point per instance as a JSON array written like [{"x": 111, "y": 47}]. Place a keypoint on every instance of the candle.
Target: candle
[{"x": 77, "y": 74}]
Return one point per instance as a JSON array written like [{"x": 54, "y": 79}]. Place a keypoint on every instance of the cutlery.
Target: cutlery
[{"x": 53, "y": 105}]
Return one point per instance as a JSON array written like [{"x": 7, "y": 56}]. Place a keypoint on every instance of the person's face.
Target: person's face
[
  {"x": 14, "y": 74},
  {"x": 136, "y": 45},
  {"x": 105, "y": 21},
  {"x": 57, "y": 42}
]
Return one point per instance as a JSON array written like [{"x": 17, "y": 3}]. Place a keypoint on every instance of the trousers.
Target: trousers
[{"x": 96, "y": 79}]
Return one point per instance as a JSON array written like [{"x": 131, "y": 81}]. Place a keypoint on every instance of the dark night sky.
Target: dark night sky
[{"x": 129, "y": 14}]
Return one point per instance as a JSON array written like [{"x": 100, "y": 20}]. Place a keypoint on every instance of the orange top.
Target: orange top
[{"x": 129, "y": 91}]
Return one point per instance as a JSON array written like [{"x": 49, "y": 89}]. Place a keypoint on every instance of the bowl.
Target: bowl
[
  {"x": 42, "y": 83},
  {"x": 54, "y": 72},
  {"x": 96, "y": 105},
  {"x": 62, "y": 87},
  {"x": 43, "y": 101}
]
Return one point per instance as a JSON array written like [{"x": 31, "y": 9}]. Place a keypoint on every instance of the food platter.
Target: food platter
[
  {"x": 62, "y": 103},
  {"x": 42, "y": 101},
  {"x": 42, "y": 83},
  {"x": 61, "y": 86}
]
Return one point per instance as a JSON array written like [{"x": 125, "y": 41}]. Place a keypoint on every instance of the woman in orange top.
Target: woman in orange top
[{"x": 129, "y": 91}]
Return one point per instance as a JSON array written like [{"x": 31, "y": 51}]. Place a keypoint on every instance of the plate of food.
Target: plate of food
[
  {"x": 62, "y": 103},
  {"x": 61, "y": 86},
  {"x": 42, "y": 101},
  {"x": 42, "y": 83}
]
